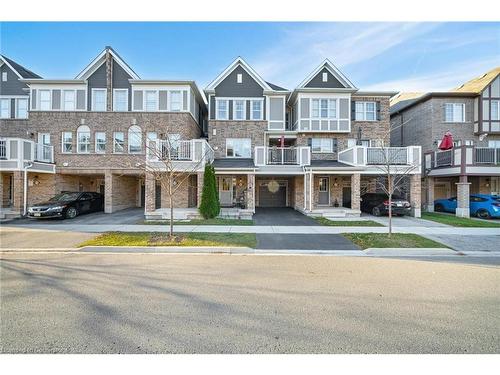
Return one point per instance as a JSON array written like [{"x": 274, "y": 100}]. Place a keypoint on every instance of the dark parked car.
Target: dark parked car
[
  {"x": 378, "y": 204},
  {"x": 68, "y": 205}
]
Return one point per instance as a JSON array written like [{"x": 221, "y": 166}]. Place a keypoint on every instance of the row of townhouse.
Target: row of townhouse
[
  {"x": 316, "y": 148},
  {"x": 471, "y": 113}
]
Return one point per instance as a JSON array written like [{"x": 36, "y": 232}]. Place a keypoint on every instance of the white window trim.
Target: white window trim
[
  {"x": 140, "y": 143},
  {"x": 239, "y": 78},
  {"x": 92, "y": 100},
  {"x": 4, "y": 74},
  {"x": 78, "y": 142},
  {"x": 261, "y": 109},
  {"x": 498, "y": 110},
  {"x": 63, "y": 143},
  {"x": 364, "y": 111},
  {"x": 114, "y": 100},
  {"x": 17, "y": 108},
  {"x": 8, "y": 100},
  {"x": 63, "y": 101},
  {"x": 330, "y": 151},
  {"x": 114, "y": 144},
  {"x": 217, "y": 104},
  {"x": 144, "y": 98},
  {"x": 454, "y": 105},
  {"x": 239, "y": 139},
  {"x": 95, "y": 142},
  {"x": 169, "y": 100},
  {"x": 244, "y": 109},
  {"x": 324, "y": 77},
  {"x": 39, "y": 99}
]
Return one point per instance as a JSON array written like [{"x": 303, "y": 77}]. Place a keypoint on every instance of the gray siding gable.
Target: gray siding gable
[
  {"x": 121, "y": 81},
  {"x": 12, "y": 86},
  {"x": 96, "y": 81},
  {"x": 317, "y": 81},
  {"x": 229, "y": 87}
]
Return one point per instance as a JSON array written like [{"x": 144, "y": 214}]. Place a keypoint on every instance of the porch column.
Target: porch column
[
  {"x": 311, "y": 191},
  {"x": 463, "y": 191},
  {"x": 18, "y": 191},
  {"x": 416, "y": 195},
  {"x": 251, "y": 192},
  {"x": 108, "y": 192},
  {"x": 355, "y": 191},
  {"x": 430, "y": 194},
  {"x": 150, "y": 191},
  {"x": 199, "y": 187},
  {"x": 1, "y": 189}
]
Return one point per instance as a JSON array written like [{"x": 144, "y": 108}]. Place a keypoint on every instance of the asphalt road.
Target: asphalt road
[{"x": 136, "y": 303}]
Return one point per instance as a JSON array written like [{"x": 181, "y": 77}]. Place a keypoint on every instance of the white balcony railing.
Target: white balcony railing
[
  {"x": 468, "y": 155},
  {"x": 194, "y": 150},
  {"x": 282, "y": 155},
  {"x": 394, "y": 156},
  {"x": 20, "y": 151}
]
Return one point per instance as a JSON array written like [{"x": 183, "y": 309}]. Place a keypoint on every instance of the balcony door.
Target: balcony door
[
  {"x": 324, "y": 191},
  {"x": 226, "y": 191}
]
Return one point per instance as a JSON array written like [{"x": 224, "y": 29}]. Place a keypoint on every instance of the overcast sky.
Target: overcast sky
[{"x": 386, "y": 56}]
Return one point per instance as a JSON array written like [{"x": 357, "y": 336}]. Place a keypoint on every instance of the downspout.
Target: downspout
[{"x": 25, "y": 190}]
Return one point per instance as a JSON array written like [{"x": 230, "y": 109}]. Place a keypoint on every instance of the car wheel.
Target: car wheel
[
  {"x": 376, "y": 211},
  {"x": 483, "y": 214},
  {"x": 71, "y": 213},
  {"x": 439, "y": 207}
]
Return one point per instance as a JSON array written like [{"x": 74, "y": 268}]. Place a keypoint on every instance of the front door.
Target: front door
[
  {"x": 226, "y": 191},
  {"x": 324, "y": 191},
  {"x": 346, "y": 197}
]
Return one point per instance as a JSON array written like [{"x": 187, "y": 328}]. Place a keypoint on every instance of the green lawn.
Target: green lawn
[
  {"x": 347, "y": 223},
  {"x": 405, "y": 240},
  {"x": 215, "y": 221},
  {"x": 181, "y": 239},
  {"x": 452, "y": 220}
]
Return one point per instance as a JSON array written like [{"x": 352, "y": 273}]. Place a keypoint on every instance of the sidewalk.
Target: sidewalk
[{"x": 92, "y": 228}]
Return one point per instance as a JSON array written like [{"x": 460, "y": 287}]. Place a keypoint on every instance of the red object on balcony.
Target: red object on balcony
[
  {"x": 447, "y": 142},
  {"x": 282, "y": 141}
]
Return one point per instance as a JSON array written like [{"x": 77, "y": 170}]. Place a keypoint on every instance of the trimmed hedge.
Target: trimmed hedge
[{"x": 209, "y": 206}]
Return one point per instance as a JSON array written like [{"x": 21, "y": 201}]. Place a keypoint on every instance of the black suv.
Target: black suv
[
  {"x": 378, "y": 204},
  {"x": 68, "y": 205}
]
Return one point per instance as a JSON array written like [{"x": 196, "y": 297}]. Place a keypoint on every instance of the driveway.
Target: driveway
[{"x": 291, "y": 217}]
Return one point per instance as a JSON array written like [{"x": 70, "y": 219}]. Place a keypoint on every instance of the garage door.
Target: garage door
[{"x": 270, "y": 199}]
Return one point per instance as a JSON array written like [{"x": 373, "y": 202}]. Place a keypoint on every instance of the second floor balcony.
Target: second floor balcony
[
  {"x": 293, "y": 156},
  {"x": 382, "y": 156},
  {"x": 463, "y": 160},
  {"x": 16, "y": 154},
  {"x": 178, "y": 154}
]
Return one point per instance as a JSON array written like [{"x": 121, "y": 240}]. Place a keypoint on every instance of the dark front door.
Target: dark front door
[
  {"x": 143, "y": 195},
  {"x": 157, "y": 196},
  {"x": 193, "y": 191},
  {"x": 346, "y": 197},
  {"x": 271, "y": 198}
]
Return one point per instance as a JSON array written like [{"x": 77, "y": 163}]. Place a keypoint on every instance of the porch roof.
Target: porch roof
[
  {"x": 234, "y": 163},
  {"x": 329, "y": 164}
]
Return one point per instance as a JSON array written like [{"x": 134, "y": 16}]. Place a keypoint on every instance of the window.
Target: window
[
  {"x": 256, "y": 109},
  {"x": 239, "y": 110},
  {"x": 69, "y": 100},
  {"x": 366, "y": 111},
  {"x": 67, "y": 142},
  {"x": 175, "y": 101},
  {"x": 238, "y": 148},
  {"x": 455, "y": 112},
  {"x": 322, "y": 145},
  {"x": 134, "y": 139},
  {"x": 5, "y": 108},
  {"x": 22, "y": 108},
  {"x": 120, "y": 100},
  {"x": 239, "y": 78},
  {"x": 118, "y": 142},
  {"x": 152, "y": 136},
  {"x": 98, "y": 99},
  {"x": 151, "y": 101},
  {"x": 324, "y": 108},
  {"x": 494, "y": 144},
  {"x": 495, "y": 109},
  {"x": 469, "y": 142},
  {"x": 315, "y": 108},
  {"x": 44, "y": 100},
  {"x": 100, "y": 142},
  {"x": 325, "y": 77},
  {"x": 332, "y": 108},
  {"x": 83, "y": 139},
  {"x": 4, "y": 76},
  {"x": 222, "y": 109}
]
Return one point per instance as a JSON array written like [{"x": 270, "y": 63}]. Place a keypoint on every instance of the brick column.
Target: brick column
[
  {"x": 430, "y": 194},
  {"x": 109, "y": 80},
  {"x": 463, "y": 189},
  {"x": 251, "y": 192},
  {"x": 199, "y": 183},
  {"x": 150, "y": 191},
  {"x": 108, "y": 192},
  {"x": 18, "y": 191},
  {"x": 1, "y": 189},
  {"x": 416, "y": 195},
  {"x": 355, "y": 192}
]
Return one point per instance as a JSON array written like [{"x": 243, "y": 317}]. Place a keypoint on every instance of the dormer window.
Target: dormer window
[
  {"x": 4, "y": 76},
  {"x": 325, "y": 77},
  {"x": 239, "y": 78}
]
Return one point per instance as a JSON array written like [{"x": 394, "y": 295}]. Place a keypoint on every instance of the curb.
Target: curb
[{"x": 410, "y": 252}]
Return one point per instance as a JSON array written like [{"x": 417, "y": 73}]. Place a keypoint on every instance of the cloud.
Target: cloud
[
  {"x": 445, "y": 79},
  {"x": 303, "y": 47}
]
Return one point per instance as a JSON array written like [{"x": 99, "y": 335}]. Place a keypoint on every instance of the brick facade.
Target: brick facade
[{"x": 235, "y": 129}]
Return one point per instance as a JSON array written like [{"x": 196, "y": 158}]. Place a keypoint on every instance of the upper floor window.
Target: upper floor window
[
  {"x": 120, "y": 100},
  {"x": 67, "y": 142},
  {"x": 134, "y": 139},
  {"x": 4, "y": 76},
  {"x": 222, "y": 109},
  {"x": 238, "y": 148},
  {"x": 83, "y": 139},
  {"x": 454, "y": 112},
  {"x": 151, "y": 101},
  {"x": 323, "y": 145},
  {"x": 495, "y": 109},
  {"x": 5, "y": 108},
  {"x": 494, "y": 143},
  {"x": 256, "y": 109},
  {"x": 324, "y": 108},
  {"x": 69, "y": 103},
  {"x": 175, "y": 101},
  {"x": 44, "y": 100},
  {"x": 99, "y": 99},
  {"x": 239, "y": 109},
  {"x": 100, "y": 142},
  {"x": 324, "y": 77},
  {"x": 118, "y": 142},
  {"x": 22, "y": 108},
  {"x": 366, "y": 111},
  {"x": 239, "y": 78}
]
